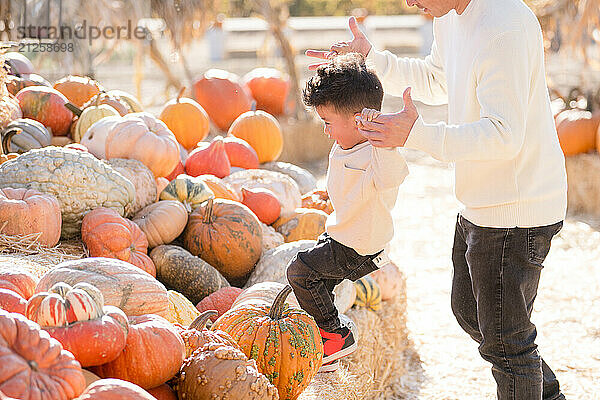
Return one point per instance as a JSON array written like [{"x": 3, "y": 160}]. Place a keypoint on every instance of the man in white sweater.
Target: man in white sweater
[{"x": 487, "y": 63}]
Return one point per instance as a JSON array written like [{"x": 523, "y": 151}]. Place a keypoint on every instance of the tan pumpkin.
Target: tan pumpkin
[
  {"x": 143, "y": 180},
  {"x": 186, "y": 119},
  {"x": 271, "y": 238},
  {"x": 181, "y": 310},
  {"x": 221, "y": 190},
  {"x": 262, "y": 131},
  {"x": 109, "y": 99},
  {"x": 303, "y": 223},
  {"x": 27, "y": 212},
  {"x": 162, "y": 222},
  {"x": 189, "y": 191},
  {"x": 78, "y": 89},
  {"x": 133, "y": 104},
  {"x": 140, "y": 136},
  {"x": 106, "y": 234},
  {"x": 227, "y": 235},
  {"x": 122, "y": 284}
]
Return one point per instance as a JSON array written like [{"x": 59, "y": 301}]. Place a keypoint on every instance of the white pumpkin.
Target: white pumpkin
[{"x": 305, "y": 180}]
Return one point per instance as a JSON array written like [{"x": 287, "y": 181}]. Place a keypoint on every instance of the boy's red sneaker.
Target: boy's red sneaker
[{"x": 337, "y": 345}]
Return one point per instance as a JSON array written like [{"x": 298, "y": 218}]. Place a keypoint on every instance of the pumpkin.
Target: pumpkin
[
  {"x": 223, "y": 97},
  {"x": 271, "y": 238},
  {"x": 47, "y": 106},
  {"x": 161, "y": 183},
  {"x": 577, "y": 131},
  {"x": 319, "y": 200},
  {"x": 153, "y": 353},
  {"x": 162, "y": 222},
  {"x": 270, "y": 88},
  {"x": 9, "y": 108},
  {"x": 272, "y": 265},
  {"x": 17, "y": 63},
  {"x": 390, "y": 280},
  {"x": 140, "y": 136},
  {"x": 77, "y": 317},
  {"x": 34, "y": 365},
  {"x": 60, "y": 141},
  {"x": 181, "y": 310},
  {"x": 196, "y": 335},
  {"x": 88, "y": 117},
  {"x": 122, "y": 284},
  {"x": 240, "y": 153},
  {"x": 163, "y": 392},
  {"x": 303, "y": 223},
  {"x": 262, "y": 131},
  {"x": 220, "y": 189},
  {"x": 133, "y": 104},
  {"x": 78, "y": 89},
  {"x": 263, "y": 203},
  {"x": 12, "y": 302},
  {"x": 191, "y": 276},
  {"x": 208, "y": 158},
  {"x": 27, "y": 211},
  {"x": 186, "y": 119},
  {"x": 220, "y": 371},
  {"x": 263, "y": 294},
  {"x": 106, "y": 234},
  {"x": 7, "y": 157},
  {"x": 305, "y": 180},
  {"x": 143, "y": 180},
  {"x": 284, "y": 341},
  {"x": 227, "y": 235},
  {"x": 16, "y": 278},
  {"x": 221, "y": 301},
  {"x": 24, "y": 134},
  {"x": 78, "y": 180},
  {"x": 189, "y": 191},
  {"x": 368, "y": 294},
  {"x": 109, "y": 99},
  {"x": 15, "y": 83},
  {"x": 112, "y": 389}
]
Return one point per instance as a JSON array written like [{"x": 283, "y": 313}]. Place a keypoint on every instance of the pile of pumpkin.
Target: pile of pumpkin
[{"x": 222, "y": 219}]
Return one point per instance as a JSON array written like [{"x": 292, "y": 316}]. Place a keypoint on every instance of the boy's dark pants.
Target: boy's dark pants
[
  {"x": 496, "y": 276},
  {"x": 313, "y": 274}
]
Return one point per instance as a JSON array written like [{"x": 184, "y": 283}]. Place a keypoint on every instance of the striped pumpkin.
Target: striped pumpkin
[
  {"x": 181, "y": 310},
  {"x": 188, "y": 190},
  {"x": 368, "y": 294}
]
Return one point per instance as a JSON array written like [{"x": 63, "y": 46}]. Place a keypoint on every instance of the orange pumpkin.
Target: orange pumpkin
[
  {"x": 262, "y": 131},
  {"x": 221, "y": 301},
  {"x": 112, "y": 389},
  {"x": 27, "y": 211},
  {"x": 18, "y": 280},
  {"x": 263, "y": 203},
  {"x": 107, "y": 234},
  {"x": 12, "y": 302},
  {"x": 186, "y": 119},
  {"x": 240, "y": 153},
  {"x": 78, "y": 89},
  {"x": 153, "y": 353},
  {"x": 223, "y": 97},
  {"x": 227, "y": 235},
  {"x": 270, "y": 89},
  {"x": 220, "y": 189},
  {"x": 302, "y": 224},
  {"x": 577, "y": 131},
  {"x": 208, "y": 158},
  {"x": 317, "y": 199}
]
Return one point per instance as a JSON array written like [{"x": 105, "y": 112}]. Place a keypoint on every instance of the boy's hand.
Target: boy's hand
[
  {"x": 389, "y": 130},
  {"x": 358, "y": 44}
]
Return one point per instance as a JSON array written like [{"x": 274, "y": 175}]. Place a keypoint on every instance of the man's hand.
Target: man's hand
[
  {"x": 358, "y": 44},
  {"x": 390, "y": 130}
]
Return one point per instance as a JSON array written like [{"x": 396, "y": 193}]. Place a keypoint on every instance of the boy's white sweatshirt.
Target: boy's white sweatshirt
[{"x": 488, "y": 65}]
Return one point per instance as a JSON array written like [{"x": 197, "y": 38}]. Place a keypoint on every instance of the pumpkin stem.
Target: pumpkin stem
[
  {"x": 200, "y": 322},
  {"x": 208, "y": 212},
  {"x": 7, "y": 134},
  {"x": 73, "y": 108},
  {"x": 180, "y": 93},
  {"x": 279, "y": 302},
  {"x": 33, "y": 365},
  {"x": 253, "y": 106}
]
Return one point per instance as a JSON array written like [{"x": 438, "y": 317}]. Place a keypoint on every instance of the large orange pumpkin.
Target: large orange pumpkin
[
  {"x": 577, "y": 131},
  {"x": 12, "y": 302},
  {"x": 223, "y": 97},
  {"x": 34, "y": 365},
  {"x": 284, "y": 341},
  {"x": 17, "y": 279},
  {"x": 153, "y": 353},
  {"x": 186, "y": 119},
  {"x": 47, "y": 106},
  {"x": 112, "y": 389},
  {"x": 262, "y": 131},
  {"x": 107, "y": 234},
  {"x": 269, "y": 88},
  {"x": 227, "y": 235},
  {"x": 27, "y": 211},
  {"x": 78, "y": 89}
]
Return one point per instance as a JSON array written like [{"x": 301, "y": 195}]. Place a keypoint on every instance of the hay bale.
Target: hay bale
[
  {"x": 376, "y": 370},
  {"x": 583, "y": 177},
  {"x": 303, "y": 141}
]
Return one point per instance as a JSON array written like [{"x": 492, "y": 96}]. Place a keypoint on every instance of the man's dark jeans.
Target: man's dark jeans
[{"x": 495, "y": 282}]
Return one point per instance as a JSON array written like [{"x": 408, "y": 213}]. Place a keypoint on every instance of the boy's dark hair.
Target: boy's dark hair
[{"x": 346, "y": 84}]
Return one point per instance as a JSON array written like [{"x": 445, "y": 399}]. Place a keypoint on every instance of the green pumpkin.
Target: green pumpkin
[
  {"x": 368, "y": 294},
  {"x": 24, "y": 134},
  {"x": 188, "y": 190}
]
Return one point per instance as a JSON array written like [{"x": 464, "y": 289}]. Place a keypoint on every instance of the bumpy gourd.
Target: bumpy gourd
[{"x": 142, "y": 179}]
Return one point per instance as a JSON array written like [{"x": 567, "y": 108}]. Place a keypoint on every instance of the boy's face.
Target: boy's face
[{"x": 340, "y": 127}]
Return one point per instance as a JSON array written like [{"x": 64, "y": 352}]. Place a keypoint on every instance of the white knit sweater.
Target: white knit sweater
[{"x": 488, "y": 65}]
